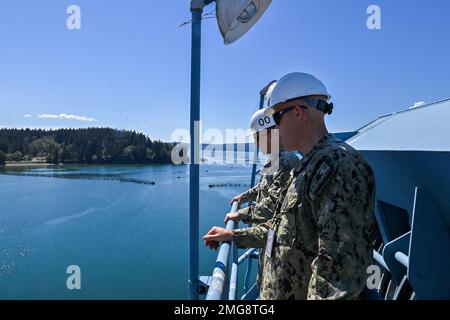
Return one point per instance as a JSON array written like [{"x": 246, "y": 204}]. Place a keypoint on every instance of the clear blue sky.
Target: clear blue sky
[{"x": 129, "y": 65}]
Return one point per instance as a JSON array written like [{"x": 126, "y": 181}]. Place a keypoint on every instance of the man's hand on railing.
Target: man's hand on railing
[
  {"x": 237, "y": 199},
  {"x": 216, "y": 235},
  {"x": 232, "y": 216}
]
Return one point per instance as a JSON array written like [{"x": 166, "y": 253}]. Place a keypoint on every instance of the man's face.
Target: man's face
[
  {"x": 288, "y": 126},
  {"x": 263, "y": 140}
]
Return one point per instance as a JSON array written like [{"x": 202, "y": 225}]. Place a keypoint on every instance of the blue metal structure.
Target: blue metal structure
[
  {"x": 197, "y": 10},
  {"x": 409, "y": 152}
]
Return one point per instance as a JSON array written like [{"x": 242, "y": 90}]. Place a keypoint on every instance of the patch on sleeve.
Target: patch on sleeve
[{"x": 320, "y": 179}]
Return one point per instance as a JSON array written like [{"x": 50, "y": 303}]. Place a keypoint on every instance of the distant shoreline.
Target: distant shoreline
[
  {"x": 28, "y": 164},
  {"x": 19, "y": 164}
]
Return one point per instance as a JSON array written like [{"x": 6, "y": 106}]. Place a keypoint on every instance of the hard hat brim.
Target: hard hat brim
[
  {"x": 278, "y": 107},
  {"x": 286, "y": 104}
]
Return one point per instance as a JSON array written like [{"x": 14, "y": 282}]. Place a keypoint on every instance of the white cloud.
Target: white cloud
[
  {"x": 27, "y": 116},
  {"x": 64, "y": 116},
  {"x": 36, "y": 127},
  {"x": 418, "y": 104}
]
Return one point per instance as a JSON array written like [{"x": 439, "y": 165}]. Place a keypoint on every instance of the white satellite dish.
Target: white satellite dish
[{"x": 236, "y": 17}]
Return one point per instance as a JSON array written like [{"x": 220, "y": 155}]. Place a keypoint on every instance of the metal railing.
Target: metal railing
[
  {"x": 218, "y": 278},
  {"x": 218, "y": 283}
]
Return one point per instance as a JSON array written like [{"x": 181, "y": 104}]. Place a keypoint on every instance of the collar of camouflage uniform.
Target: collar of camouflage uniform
[{"x": 307, "y": 157}]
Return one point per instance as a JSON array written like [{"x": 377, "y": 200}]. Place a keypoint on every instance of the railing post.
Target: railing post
[
  {"x": 234, "y": 272},
  {"x": 217, "y": 282}
]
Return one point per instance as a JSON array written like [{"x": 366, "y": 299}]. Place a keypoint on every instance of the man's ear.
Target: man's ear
[{"x": 299, "y": 113}]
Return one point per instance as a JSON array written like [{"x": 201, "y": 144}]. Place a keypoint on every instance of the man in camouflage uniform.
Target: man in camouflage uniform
[
  {"x": 318, "y": 244},
  {"x": 267, "y": 192},
  {"x": 274, "y": 176},
  {"x": 270, "y": 188}
]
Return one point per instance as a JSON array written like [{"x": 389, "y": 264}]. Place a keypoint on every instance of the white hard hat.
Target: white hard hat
[
  {"x": 260, "y": 121},
  {"x": 269, "y": 92},
  {"x": 296, "y": 85}
]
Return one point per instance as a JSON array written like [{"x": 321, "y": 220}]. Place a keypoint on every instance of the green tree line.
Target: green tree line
[{"x": 82, "y": 146}]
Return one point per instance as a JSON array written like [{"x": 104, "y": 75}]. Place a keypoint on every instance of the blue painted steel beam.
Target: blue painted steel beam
[
  {"x": 234, "y": 272},
  {"x": 402, "y": 258},
  {"x": 429, "y": 259},
  {"x": 380, "y": 260},
  {"x": 397, "y": 270},
  {"x": 246, "y": 255},
  {"x": 218, "y": 278},
  {"x": 194, "y": 163},
  {"x": 252, "y": 294},
  {"x": 255, "y": 156}
]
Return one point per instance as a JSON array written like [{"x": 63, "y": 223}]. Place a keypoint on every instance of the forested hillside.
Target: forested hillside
[{"x": 82, "y": 146}]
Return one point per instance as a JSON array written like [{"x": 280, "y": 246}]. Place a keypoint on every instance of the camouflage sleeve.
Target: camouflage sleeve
[
  {"x": 343, "y": 203},
  {"x": 265, "y": 207},
  {"x": 263, "y": 211},
  {"x": 245, "y": 214},
  {"x": 253, "y": 237},
  {"x": 250, "y": 195}
]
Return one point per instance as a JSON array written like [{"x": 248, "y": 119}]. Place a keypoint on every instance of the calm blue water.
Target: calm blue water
[{"x": 130, "y": 240}]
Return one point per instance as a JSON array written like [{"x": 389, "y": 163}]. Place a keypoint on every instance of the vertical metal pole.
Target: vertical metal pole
[
  {"x": 195, "y": 148},
  {"x": 234, "y": 270},
  {"x": 252, "y": 184},
  {"x": 255, "y": 156}
]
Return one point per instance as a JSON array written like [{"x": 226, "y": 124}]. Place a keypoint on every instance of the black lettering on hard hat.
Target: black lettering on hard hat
[
  {"x": 267, "y": 119},
  {"x": 261, "y": 122}
]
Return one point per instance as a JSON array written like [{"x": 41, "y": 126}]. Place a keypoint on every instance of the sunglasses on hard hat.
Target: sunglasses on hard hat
[{"x": 277, "y": 116}]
